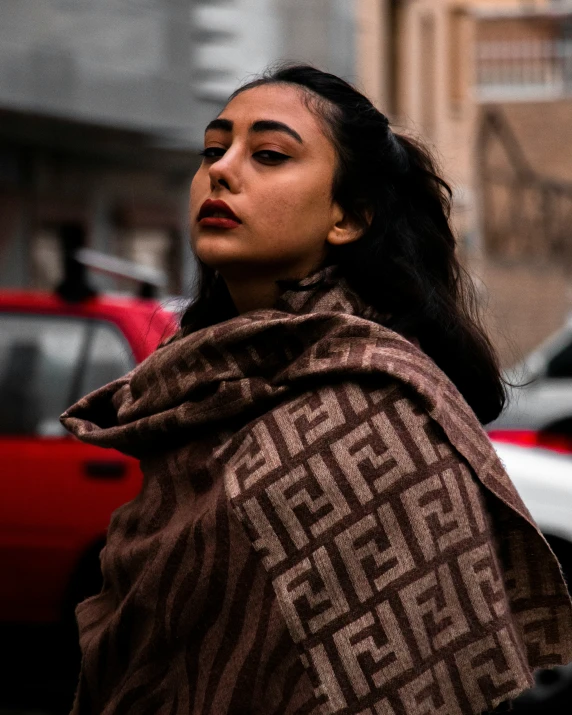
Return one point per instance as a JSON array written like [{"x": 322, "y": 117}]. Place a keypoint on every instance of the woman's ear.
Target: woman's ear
[{"x": 347, "y": 228}]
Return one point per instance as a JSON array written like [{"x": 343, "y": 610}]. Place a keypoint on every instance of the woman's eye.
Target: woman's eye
[
  {"x": 267, "y": 156},
  {"x": 212, "y": 152}
]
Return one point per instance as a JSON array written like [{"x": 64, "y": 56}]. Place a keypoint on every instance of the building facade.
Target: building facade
[
  {"x": 486, "y": 83},
  {"x": 523, "y": 94}
]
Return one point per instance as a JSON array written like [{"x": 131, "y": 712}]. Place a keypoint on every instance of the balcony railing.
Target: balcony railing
[
  {"x": 524, "y": 69},
  {"x": 526, "y": 216}
]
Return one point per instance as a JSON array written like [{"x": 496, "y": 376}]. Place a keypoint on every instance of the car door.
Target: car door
[
  {"x": 57, "y": 493},
  {"x": 548, "y": 399}
]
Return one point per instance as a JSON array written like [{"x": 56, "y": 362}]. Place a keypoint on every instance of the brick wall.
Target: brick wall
[
  {"x": 544, "y": 132},
  {"x": 522, "y": 305}
]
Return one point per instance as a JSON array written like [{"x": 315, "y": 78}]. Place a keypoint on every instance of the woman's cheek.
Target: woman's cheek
[
  {"x": 196, "y": 186},
  {"x": 279, "y": 212}
]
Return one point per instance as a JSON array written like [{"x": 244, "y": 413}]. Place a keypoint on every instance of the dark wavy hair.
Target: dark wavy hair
[{"x": 405, "y": 263}]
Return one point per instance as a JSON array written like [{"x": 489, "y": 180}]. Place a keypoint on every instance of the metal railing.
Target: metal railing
[
  {"x": 526, "y": 216},
  {"x": 531, "y": 68}
]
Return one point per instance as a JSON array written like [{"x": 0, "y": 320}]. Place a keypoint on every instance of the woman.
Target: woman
[{"x": 323, "y": 524}]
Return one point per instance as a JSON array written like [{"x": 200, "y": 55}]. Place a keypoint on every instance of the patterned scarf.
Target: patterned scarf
[{"x": 323, "y": 527}]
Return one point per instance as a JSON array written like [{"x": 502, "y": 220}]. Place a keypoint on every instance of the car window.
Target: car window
[
  {"x": 48, "y": 362},
  {"x": 560, "y": 365},
  {"x": 108, "y": 357},
  {"x": 38, "y": 359}
]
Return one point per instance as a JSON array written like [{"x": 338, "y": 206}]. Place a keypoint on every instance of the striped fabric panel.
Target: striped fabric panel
[{"x": 187, "y": 621}]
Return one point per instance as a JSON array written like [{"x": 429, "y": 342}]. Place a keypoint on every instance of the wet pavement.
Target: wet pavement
[
  {"x": 551, "y": 696},
  {"x": 39, "y": 670}
]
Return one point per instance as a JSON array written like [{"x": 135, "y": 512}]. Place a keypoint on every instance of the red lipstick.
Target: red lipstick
[{"x": 216, "y": 214}]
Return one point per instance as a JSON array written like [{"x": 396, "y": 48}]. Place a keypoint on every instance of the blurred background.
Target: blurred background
[{"x": 103, "y": 104}]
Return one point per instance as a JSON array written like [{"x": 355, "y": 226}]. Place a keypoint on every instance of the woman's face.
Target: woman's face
[{"x": 267, "y": 158}]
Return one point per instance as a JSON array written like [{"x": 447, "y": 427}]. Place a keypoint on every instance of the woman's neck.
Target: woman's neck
[
  {"x": 253, "y": 294},
  {"x": 253, "y": 290}
]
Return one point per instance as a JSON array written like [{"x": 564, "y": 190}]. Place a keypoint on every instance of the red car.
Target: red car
[{"x": 57, "y": 494}]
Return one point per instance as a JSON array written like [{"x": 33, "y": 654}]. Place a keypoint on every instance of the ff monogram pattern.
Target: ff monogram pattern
[
  {"x": 324, "y": 527},
  {"x": 382, "y": 555}
]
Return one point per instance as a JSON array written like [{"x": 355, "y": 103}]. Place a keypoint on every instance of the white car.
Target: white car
[
  {"x": 543, "y": 478},
  {"x": 541, "y": 398},
  {"x": 533, "y": 438}
]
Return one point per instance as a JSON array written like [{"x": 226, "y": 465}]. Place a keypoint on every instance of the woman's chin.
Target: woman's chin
[{"x": 215, "y": 250}]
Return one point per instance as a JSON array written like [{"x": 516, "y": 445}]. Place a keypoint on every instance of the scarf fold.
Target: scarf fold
[{"x": 324, "y": 526}]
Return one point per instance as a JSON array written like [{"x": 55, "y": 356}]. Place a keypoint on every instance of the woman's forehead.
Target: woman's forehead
[{"x": 277, "y": 102}]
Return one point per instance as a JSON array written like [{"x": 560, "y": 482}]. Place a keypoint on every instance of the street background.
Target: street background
[{"x": 102, "y": 109}]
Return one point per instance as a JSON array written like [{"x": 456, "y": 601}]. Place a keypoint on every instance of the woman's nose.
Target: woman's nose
[{"x": 224, "y": 172}]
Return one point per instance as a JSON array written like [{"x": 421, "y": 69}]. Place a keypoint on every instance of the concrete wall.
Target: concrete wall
[
  {"x": 117, "y": 63},
  {"x": 158, "y": 65}
]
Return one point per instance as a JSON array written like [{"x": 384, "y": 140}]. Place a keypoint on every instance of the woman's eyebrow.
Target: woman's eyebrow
[
  {"x": 262, "y": 125},
  {"x": 224, "y": 125},
  {"x": 270, "y": 125}
]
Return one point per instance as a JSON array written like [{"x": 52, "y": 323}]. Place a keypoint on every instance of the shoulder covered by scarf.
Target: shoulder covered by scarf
[{"x": 323, "y": 527}]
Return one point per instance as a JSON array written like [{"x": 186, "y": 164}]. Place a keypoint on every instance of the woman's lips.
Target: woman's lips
[
  {"x": 217, "y": 214},
  {"x": 214, "y": 222}
]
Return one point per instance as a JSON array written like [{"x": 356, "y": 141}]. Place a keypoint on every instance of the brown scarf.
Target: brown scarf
[{"x": 323, "y": 527}]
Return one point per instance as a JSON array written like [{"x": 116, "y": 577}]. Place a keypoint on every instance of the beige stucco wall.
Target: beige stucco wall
[
  {"x": 433, "y": 81},
  {"x": 371, "y": 45}
]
